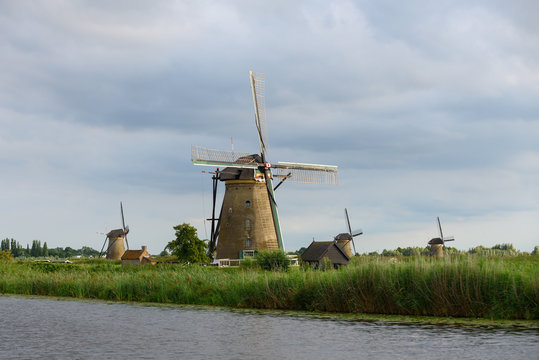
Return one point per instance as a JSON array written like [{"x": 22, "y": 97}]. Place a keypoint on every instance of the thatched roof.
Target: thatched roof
[
  {"x": 436, "y": 241},
  {"x": 343, "y": 236},
  {"x": 317, "y": 249},
  {"x": 132, "y": 254},
  {"x": 116, "y": 233}
]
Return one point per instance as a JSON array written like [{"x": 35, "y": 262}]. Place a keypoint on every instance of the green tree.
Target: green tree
[
  {"x": 535, "y": 250},
  {"x": 70, "y": 252},
  {"x": 33, "y": 251},
  {"x": 88, "y": 251},
  {"x": 187, "y": 247},
  {"x": 45, "y": 249}
]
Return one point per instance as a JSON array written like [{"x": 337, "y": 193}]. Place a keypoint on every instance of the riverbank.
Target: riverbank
[{"x": 460, "y": 287}]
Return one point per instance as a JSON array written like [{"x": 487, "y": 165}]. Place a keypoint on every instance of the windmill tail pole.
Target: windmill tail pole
[
  {"x": 102, "y": 247},
  {"x": 282, "y": 181},
  {"x": 211, "y": 246},
  {"x": 273, "y": 206}
]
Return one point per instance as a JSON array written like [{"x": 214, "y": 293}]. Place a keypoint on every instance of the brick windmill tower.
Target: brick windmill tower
[{"x": 249, "y": 220}]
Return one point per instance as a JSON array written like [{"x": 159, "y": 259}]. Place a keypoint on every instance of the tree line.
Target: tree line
[
  {"x": 38, "y": 250},
  {"x": 497, "y": 250}
]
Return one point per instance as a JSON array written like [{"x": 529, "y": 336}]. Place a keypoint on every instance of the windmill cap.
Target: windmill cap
[
  {"x": 436, "y": 241},
  {"x": 116, "y": 233},
  {"x": 343, "y": 236}
]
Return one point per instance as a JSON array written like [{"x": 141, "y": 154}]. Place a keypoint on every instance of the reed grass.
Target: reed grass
[{"x": 464, "y": 286}]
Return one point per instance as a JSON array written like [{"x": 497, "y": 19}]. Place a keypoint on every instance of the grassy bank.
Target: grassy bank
[{"x": 497, "y": 288}]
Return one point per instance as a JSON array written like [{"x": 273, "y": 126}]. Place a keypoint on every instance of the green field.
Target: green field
[{"x": 460, "y": 286}]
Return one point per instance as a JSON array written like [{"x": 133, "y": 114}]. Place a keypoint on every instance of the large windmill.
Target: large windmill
[
  {"x": 437, "y": 244},
  {"x": 344, "y": 239},
  {"x": 116, "y": 237},
  {"x": 248, "y": 219}
]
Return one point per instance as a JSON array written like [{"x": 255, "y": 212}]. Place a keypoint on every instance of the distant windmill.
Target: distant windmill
[
  {"x": 344, "y": 239},
  {"x": 437, "y": 244},
  {"x": 248, "y": 220},
  {"x": 116, "y": 247}
]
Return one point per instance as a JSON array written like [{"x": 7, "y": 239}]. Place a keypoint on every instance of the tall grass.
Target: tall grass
[{"x": 465, "y": 286}]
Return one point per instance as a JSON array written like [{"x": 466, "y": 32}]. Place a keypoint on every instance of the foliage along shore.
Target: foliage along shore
[{"x": 464, "y": 286}]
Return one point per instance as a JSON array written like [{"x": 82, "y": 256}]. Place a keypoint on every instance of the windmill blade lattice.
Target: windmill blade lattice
[
  {"x": 306, "y": 173},
  {"x": 213, "y": 157},
  {"x": 259, "y": 100}
]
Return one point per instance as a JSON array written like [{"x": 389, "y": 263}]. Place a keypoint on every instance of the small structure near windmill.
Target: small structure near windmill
[
  {"x": 315, "y": 254},
  {"x": 115, "y": 238},
  {"x": 344, "y": 239},
  {"x": 137, "y": 257},
  {"x": 437, "y": 244},
  {"x": 248, "y": 220}
]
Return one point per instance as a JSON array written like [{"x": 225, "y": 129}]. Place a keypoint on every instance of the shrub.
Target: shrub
[
  {"x": 272, "y": 260},
  {"x": 6, "y": 255}
]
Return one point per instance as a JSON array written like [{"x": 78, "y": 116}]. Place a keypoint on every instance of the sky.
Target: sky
[{"x": 428, "y": 109}]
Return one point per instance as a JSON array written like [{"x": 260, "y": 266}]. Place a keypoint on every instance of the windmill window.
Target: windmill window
[
  {"x": 230, "y": 210},
  {"x": 248, "y": 242},
  {"x": 248, "y": 203},
  {"x": 247, "y": 224}
]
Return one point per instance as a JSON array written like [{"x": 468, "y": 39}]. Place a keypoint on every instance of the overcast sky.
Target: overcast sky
[{"x": 428, "y": 109}]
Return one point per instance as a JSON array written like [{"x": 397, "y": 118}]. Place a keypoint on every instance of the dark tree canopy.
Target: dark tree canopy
[{"x": 187, "y": 246}]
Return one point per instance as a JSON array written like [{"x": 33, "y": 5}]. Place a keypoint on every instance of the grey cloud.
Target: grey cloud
[{"x": 418, "y": 104}]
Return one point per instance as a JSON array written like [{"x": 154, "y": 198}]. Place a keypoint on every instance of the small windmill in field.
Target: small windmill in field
[
  {"x": 116, "y": 237},
  {"x": 344, "y": 239},
  {"x": 437, "y": 244},
  {"x": 248, "y": 220}
]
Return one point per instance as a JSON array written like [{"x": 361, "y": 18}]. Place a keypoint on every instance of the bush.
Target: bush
[
  {"x": 272, "y": 260},
  {"x": 5, "y": 255}
]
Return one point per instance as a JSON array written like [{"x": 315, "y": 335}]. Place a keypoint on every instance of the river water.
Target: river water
[{"x": 33, "y": 328}]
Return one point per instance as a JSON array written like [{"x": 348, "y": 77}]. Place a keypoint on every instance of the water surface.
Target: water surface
[{"x": 60, "y": 329}]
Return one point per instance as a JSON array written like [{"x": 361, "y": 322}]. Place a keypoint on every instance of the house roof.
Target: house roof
[
  {"x": 116, "y": 233},
  {"x": 132, "y": 254},
  {"x": 150, "y": 259},
  {"x": 317, "y": 248}
]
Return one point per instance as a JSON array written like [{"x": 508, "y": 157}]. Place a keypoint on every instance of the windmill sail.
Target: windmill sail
[
  {"x": 213, "y": 157},
  {"x": 259, "y": 102},
  {"x": 125, "y": 228},
  {"x": 349, "y": 228},
  {"x": 306, "y": 173},
  {"x": 444, "y": 238}
]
